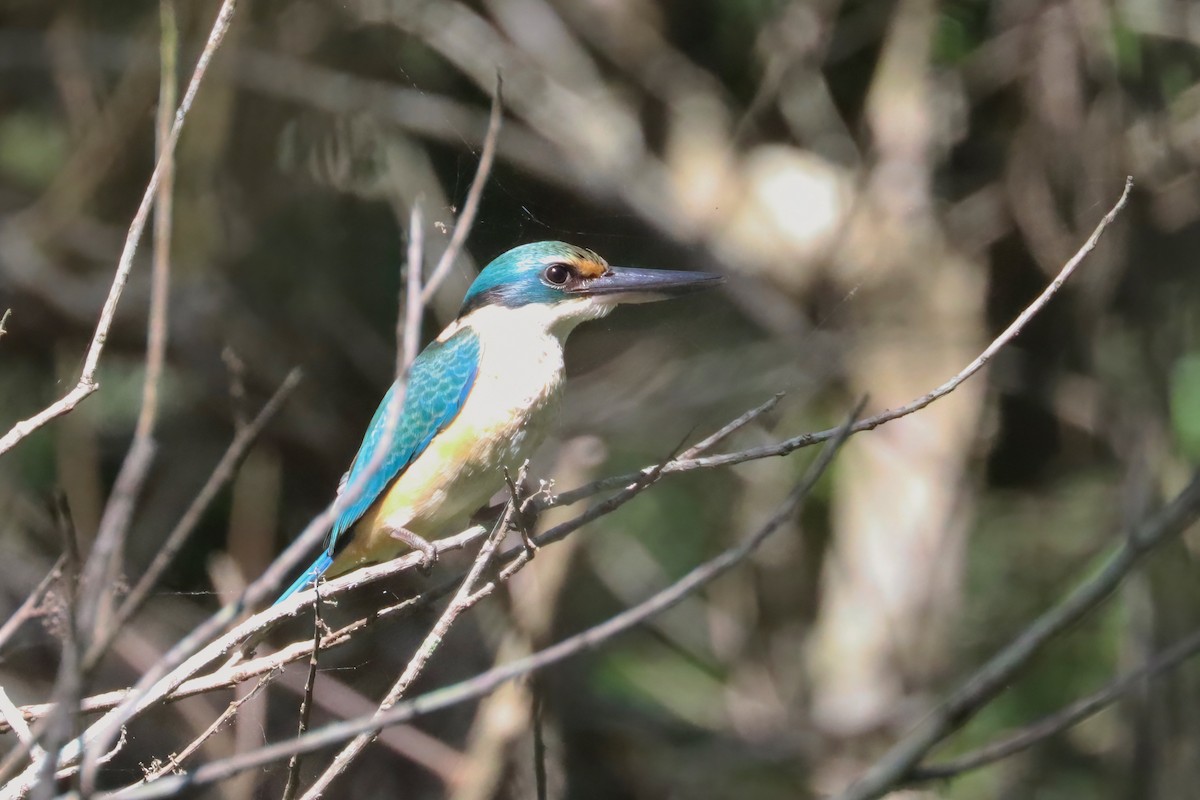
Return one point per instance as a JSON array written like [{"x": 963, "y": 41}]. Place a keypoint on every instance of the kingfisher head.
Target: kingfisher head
[{"x": 566, "y": 284}]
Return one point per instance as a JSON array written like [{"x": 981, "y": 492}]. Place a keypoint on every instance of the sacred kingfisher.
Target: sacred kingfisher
[{"x": 478, "y": 399}]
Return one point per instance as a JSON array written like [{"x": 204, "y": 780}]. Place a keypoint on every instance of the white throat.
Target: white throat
[{"x": 534, "y": 320}]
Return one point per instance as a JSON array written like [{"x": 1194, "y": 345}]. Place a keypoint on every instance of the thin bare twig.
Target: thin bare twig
[
  {"x": 870, "y": 423},
  {"x": 181, "y": 661},
  {"x": 29, "y": 608},
  {"x": 142, "y": 694},
  {"x": 466, "y": 219},
  {"x": 376, "y": 572},
  {"x": 69, "y": 571},
  {"x": 188, "y": 655},
  {"x": 87, "y": 379},
  {"x": 103, "y": 567},
  {"x": 518, "y": 556},
  {"x": 255, "y": 626},
  {"x": 463, "y": 599},
  {"x": 998, "y": 672},
  {"x": 234, "y": 673},
  {"x": 16, "y": 722},
  {"x": 342, "y": 701},
  {"x": 221, "y": 474},
  {"x": 419, "y": 292},
  {"x": 164, "y": 202},
  {"x": 1029, "y": 735},
  {"x": 68, "y": 685},
  {"x": 521, "y": 508},
  {"x": 159, "y": 680},
  {"x": 409, "y": 325},
  {"x": 486, "y": 682},
  {"x": 175, "y": 761},
  {"x": 730, "y": 428},
  {"x": 104, "y": 564},
  {"x": 306, "y": 700},
  {"x": 539, "y": 742}
]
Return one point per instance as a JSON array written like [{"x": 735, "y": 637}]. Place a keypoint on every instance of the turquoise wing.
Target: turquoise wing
[{"x": 438, "y": 384}]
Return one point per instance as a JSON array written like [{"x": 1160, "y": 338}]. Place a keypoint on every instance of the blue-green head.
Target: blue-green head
[{"x": 554, "y": 273}]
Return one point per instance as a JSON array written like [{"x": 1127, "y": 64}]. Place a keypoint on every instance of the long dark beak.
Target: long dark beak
[{"x": 632, "y": 285}]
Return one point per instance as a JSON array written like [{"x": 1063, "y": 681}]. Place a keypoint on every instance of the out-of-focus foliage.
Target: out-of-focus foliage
[
  {"x": 1185, "y": 404},
  {"x": 886, "y": 184}
]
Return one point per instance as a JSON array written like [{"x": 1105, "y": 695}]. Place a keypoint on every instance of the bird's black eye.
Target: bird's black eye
[{"x": 557, "y": 274}]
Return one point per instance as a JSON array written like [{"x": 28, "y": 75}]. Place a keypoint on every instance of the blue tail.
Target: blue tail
[{"x": 316, "y": 570}]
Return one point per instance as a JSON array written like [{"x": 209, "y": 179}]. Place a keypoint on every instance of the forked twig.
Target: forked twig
[
  {"x": 175, "y": 761},
  {"x": 486, "y": 682},
  {"x": 870, "y": 423},
  {"x": 255, "y": 626},
  {"x": 464, "y": 598}
]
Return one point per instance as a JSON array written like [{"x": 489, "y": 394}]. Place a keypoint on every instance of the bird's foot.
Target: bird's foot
[{"x": 429, "y": 553}]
